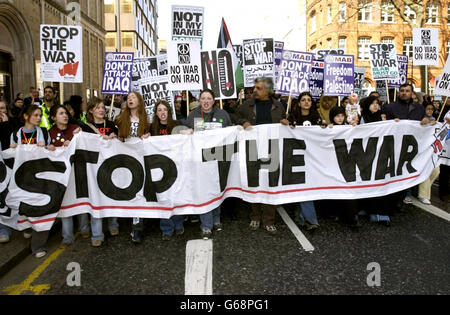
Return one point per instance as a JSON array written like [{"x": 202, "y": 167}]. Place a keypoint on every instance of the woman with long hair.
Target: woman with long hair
[{"x": 133, "y": 123}]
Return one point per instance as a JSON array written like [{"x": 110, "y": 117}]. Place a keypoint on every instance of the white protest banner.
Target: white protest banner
[
  {"x": 426, "y": 47},
  {"x": 184, "y": 62},
  {"x": 148, "y": 178},
  {"x": 443, "y": 85},
  {"x": 187, "y": 23},
  {"x": 359, "y": 81},
  {"x": 62, "y": 53},
  {"x": 154, "y": 89},
  {"x": 218, "y": 73},
  {"x": 383, "y": 62},
  {"x": 258, "y": 60},
  {"x": 144, "y": 68},
  {"x": 321, "y": 53},
  {"x": 5, "y": 176},
  {"x": 295, "y": 70},
  {"x": 117, "y": 74}
]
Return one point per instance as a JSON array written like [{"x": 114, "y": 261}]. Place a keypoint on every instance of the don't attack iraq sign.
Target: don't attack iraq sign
[{"x": 118, "y": 73}]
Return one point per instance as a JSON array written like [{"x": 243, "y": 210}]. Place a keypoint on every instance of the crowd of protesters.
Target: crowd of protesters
[{"x": 43, "y": 122}]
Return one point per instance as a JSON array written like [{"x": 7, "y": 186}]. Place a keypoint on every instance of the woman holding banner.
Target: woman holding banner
[
  {"x": 133, "y": 123},
  {"x": 96, "y": 123},
  {"x": 163, "y": 125},
  {"x": 208, "y": 117}
]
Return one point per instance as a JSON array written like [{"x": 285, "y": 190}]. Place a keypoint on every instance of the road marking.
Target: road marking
[
  {"x": 26, "y": 286},
  {"x": 432, "y": 209},
  {"x": 307, "y": 246},
  {"x": 199, "y": 260}
]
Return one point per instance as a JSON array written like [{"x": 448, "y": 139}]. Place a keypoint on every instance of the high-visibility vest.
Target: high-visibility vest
[{"x": 45, "y": 120}]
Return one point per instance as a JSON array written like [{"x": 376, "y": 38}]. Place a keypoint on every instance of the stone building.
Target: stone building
[
  {"x": 353, "y": 25},
  {"x": 20, "y": 22}
]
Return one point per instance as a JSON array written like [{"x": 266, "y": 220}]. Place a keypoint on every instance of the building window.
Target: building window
[
  {"x": 313, "y": 47},
  {"x": 313, "y": 23},
  {"x": 411, "y": 14},
  {"x": 408, "y": 47},
  {"x": 365, "y": 11},
  {"x": 110, "y": 6},
  {"x": 387, "y": 40},
  {"x": 110, "y": 40},
  {"x": 126, "y": 6},
  {"x": 330, "y": 43},
  {"x": 329, "y": 16},
  {"x": 127, "y": 39},
  {"x": 342, "y": 43},
  {"x": 448, "y": 48},
  {"x": 387, "y": 13},
  {"x": 363, "y": 48},
  {"x": 448, "y": 14},
  {"x": 432, "y": 13},
  {"x": 342, "y": 12}
]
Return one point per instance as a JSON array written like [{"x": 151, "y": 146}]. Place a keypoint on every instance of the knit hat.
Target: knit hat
[{"x": 336, "y": 110}]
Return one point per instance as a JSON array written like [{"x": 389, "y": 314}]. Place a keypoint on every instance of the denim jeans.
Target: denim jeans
[
  {"x": 67, "y": 227},
  {"x": 169, "y": 226},
  {"x": 97, "y": 228},
  {"x": 5, "y": 230},
  {"x": 209, "y": 219},
  {"x": 308, "y": 212},
  {"x": 38, "y": 241}
]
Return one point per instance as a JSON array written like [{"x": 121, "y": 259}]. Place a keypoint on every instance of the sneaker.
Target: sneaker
[
  {"x": 114, "y": 232},
  {"x": 40, "y": 254},
  {"x": 311, "y": 227},
  {"x": 425, "y": 201},
  {"x": 271, "y": 229},
  {"x": 97, "y": 243},
  {"x": 407, "y": 200},
  {"x": 166, "y": 237},
  {"x": 179, "y": 232},
  {"x": 218, "y": 227},
  {"x": 64, "y": 245},
  {"x": 26, "y": 234},
  {"x": 136, "y": 236},
  {"x": 206, "y": 234},
  {"x": 85, "y": 235},
  {"x": 254, "y": 225},
  {"x": 4, "y": 239}
]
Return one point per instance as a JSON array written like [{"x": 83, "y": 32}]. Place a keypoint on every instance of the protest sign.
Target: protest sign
[
  {"x": 443, "y": 85},
  {"x": 383, "y": 62},
  {"x": 380, "y": 87},
  {"x": 426, "y": 47},
  {"x": 144, "y": 68},
  {"x": 62, "y": 53},
  {"x": 218, "y": 73},
  {"x": 117, "y": 74},
  {"x": 402, "y": 70},
  {"x": 339, "y": 78},
  {"x": 295, "y": 70},
  {"x": 239, "y": 54},
  {"x": 359, "y": 81},
  {"x": 154, "y": 89},
  {"x": 162, "y": 64},
  {"x": 187, "y": 23},
  {"x": 147, "y": 178},
  {"x": 258, "y": 60},
  {"x": 316, "y": 79},
  {"x": 278, "y": 49},
  {"x": 184, "y": 64},
  {"x": 321, "y": 53}
]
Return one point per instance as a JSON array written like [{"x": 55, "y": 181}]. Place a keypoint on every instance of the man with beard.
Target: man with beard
[
  {"x": 405, "y": 107},
  {"x": 49, "y": 102}
]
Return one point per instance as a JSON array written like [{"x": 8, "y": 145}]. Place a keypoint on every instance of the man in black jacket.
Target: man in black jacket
[
  {"x": 405, "y": 107},
  {"x": 259, "y": 110}
]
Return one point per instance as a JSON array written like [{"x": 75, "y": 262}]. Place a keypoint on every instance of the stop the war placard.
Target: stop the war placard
[
  {"x": 144, "y": 68},
  {"x": 339, "y": 78},
  {"x": 184, "y": 64},
  {"x": 295, "y": 70},
  {"x": 153, "y": 89},
  {"x": 383, "y": 62},
  {"x": 426, "y": 47},
  {"x": 321, "y": 53},
  {"x": 187, "y": 23},
  {"x": 218, "y": 73},
  {"x": 117, "y": 74},
  {"x": 258, "y": 60},
  {"x": 62, "y": 53},
  {"x": 316, "y": 79}
]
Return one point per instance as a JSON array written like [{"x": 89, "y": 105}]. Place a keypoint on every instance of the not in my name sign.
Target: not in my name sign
[{"x": 187, "y": 23}]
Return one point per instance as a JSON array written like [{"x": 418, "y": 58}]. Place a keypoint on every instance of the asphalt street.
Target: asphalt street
[{"x": 413, "y": 256}]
